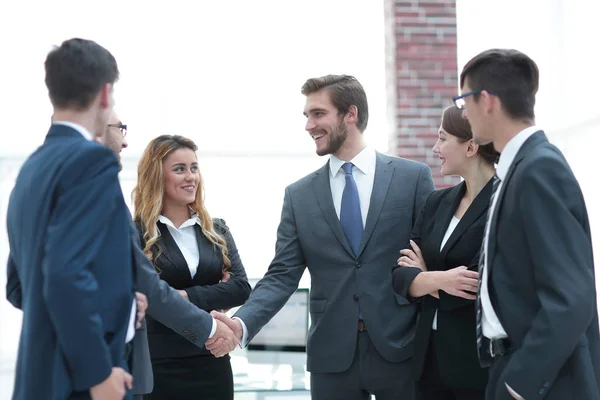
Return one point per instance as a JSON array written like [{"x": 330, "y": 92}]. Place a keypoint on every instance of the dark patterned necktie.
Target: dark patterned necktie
[{"x": 482, "y": 258}]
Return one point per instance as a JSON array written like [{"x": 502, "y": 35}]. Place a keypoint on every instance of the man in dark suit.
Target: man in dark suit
[
  {"x": 65, "y": 211},
  {"x": 165, "y": 303},
  {"x": 346, "y": 223},
  {"x": 536, "y": 309}
]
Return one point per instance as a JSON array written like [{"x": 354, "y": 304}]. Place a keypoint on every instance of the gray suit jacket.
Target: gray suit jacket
[
  {"x": 166, "y": 306},
  {"x": 310, "y": 235}
]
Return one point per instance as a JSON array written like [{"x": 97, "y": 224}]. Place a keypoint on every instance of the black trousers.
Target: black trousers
[
  {"x": 192, "y": 378},
  {"x": 431, "y": 387}
]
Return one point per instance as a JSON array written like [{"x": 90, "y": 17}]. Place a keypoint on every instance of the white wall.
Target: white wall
[{"x": 227, "y": 74}]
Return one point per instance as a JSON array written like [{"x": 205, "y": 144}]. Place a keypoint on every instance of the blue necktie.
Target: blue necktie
[{"x": 350, "y": 217}]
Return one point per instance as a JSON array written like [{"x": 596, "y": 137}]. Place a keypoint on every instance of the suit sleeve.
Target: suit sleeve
[
  {"x": 13, "y": 284},
  {"x": 424, "y": 189},
  {"x": 449, "y": 302},
  {"x": 402, "y": 277},
  {"x": 223, "y": 295},
  {"x": 75, "y": 231},
  {"x": 282, "y": 278},
  {"x": 165, "y": 304},
  {"x": 553, "y": 209}
]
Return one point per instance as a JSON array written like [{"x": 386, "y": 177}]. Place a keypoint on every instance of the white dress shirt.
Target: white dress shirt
[
  {"x": 131, "y": 326},
  {"x": 186, "y": 239},
  {"x": 490, "y": 324},
  {"x": 84, "y": 132},
  {"x": 453, "y": 223},
  {"x": 364, "y": 176}
]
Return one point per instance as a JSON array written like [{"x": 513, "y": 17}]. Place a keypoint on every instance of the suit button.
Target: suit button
[
  {"x": 358, "y": 264},
  {"x": 355, "y": 297}
]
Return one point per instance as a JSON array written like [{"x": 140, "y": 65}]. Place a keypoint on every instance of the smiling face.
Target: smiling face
[
  {"x": 328, "y": 129},
  {"x": 452, "y": 152},
  {"x": 181, "y": 177}
]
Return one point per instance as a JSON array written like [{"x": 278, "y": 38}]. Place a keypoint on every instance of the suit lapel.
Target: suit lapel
[
  {"x": 171, "y": 251},
  {"x": 533, "y": 141},
  {"x": 476, "y": 209},
  {"x": 444, "y": 214},
  {"x": 381, "y": 183},
  {"x": 322, "y": 190}
]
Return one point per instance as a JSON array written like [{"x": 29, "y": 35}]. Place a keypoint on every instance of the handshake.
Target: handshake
[{"x": 228, "y": 335}]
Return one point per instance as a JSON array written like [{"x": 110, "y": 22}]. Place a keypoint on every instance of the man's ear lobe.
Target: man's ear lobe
[
  {"x": 352, "y": 114},
  {"x": 105, "y": 92}
]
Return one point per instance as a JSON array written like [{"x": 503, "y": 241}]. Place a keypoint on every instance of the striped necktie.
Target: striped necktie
[{"x": 482, "y": 260}]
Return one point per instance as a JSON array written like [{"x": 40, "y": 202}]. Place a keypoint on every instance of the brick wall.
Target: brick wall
[{"x": 422, "y": 76}]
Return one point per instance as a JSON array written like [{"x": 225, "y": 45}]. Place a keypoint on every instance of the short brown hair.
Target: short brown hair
[
  {"x": 508, "y": 74},
  {"x": 76, "y": 72},
  {"x": 345, "y": 91},
  {"x": 454, "y": 124}
]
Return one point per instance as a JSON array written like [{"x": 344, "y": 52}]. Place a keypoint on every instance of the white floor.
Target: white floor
[{"x": 7, "y": 376}]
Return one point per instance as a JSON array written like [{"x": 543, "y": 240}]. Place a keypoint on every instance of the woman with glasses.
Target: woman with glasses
[
  {"x": 193, "y": 253},
  {"x": 440, "y": 268}
]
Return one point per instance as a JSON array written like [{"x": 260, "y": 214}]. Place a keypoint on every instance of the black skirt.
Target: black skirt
[{"x": 192, "y": 378}]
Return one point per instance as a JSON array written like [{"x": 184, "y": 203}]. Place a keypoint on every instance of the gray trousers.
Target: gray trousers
[{"x": 369, "y": 374}]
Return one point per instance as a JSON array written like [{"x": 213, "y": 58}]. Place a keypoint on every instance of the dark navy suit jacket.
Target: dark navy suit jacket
[{"x": 70, "y": 267}]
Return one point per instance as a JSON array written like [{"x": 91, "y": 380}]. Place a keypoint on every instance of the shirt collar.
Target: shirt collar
[
  {"x": 84, "y": 132},
  {"x": 363, "y": 161},
  {"x": 511, "y": 149},
  {"x": 190, "y": 222}
]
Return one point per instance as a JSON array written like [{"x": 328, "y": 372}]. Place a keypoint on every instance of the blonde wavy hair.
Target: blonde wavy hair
[{"x": 149, "y": 191}]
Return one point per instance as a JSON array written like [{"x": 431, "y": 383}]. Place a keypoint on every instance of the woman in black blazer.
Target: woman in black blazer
[
  {"x": 193, "y": 253},
  {"x": 440, "y": 269}
]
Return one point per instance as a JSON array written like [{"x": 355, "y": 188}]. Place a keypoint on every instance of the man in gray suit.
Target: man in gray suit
[
  {"x": 165, "y": 304},
  {"x": 346, "y": 222}
]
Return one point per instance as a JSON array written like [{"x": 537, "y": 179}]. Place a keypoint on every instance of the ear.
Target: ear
[
  {"x": 352, "y": 114},
  {"x": 472, "y": 148},
  {"x": 489, "y": 101},
  {"x": 106, "y": 100}
]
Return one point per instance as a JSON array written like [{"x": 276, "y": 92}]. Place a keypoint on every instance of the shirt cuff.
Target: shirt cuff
[
  {"x": 513, "y": 393},
  {"x": 244, "y": 333},
  {"x": 214, "y": 328}
]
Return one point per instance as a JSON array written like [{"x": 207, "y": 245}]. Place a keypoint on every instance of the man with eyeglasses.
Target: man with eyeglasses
[
  {"x": 114, "y": 137},
  {"x": 537, "y": 318}
]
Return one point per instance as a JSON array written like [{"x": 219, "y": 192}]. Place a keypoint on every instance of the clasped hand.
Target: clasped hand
[
  {"x": 227, "y": 336},
  {"x": 459, "y": 281}
]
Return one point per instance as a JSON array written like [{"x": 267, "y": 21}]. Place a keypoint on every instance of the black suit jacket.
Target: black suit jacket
[
  {"x": 457, "y": 349},
  {"x": 65, "y": 211},
  {"x": 541, "y": 279},
  {"x": 204, "y": 290},
  {"x": 166, "y": 306}
]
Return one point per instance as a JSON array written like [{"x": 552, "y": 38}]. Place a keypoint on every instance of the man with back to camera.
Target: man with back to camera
[
  {"x": 65, "y": 210},
  {"x": 346, "y": 222},
  {"x": 536, "y": 309},
  {"x": 191, "y": 322}
]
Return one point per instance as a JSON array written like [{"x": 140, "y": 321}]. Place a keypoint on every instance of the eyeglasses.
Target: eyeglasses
[
  {"x": 459, "y": 101},
  {"x": 122, "y": 128}
]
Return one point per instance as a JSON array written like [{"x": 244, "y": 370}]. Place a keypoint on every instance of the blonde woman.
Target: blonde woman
[{"x": 193, "y": 253}]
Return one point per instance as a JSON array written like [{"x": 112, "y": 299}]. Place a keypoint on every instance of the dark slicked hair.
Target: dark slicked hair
[
  {"x": 76, "y": 71},
  {"x": 454, "y": 123},
  {"x": 510, "y": 75},
  {"x": 345, "y": 91}
]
